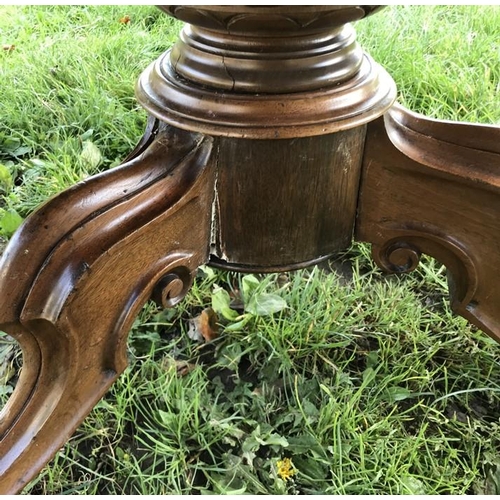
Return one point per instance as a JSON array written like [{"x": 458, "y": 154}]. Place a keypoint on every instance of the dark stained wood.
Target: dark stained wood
[
  {"x": 269, "y": 64},
  {"x": 433, "y": 187},
  {"x": 282, "y": 204},
  {"x": 266, "y": 72},
  {"x": 285, "y": 98},
  {"x": 177, "y": 101},
  {"x": 261, "y": 19},
  {"x": 77, "y": 273}
]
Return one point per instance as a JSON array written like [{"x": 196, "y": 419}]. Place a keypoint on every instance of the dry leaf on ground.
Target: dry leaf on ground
[{"x": 204, "y": 327}]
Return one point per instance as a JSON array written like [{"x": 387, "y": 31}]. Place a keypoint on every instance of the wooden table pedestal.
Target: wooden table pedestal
[{"x": 273, "y": 141}]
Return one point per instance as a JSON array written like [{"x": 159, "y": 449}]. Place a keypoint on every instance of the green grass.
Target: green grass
[{"x": 367, "y": 382}]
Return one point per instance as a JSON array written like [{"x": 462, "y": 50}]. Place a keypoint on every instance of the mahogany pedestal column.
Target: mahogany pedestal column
[{"x": 273, "y": 141}]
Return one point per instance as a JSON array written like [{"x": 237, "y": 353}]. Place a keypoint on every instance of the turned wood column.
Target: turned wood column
[
  {"x": 287, "y": 98},
  {"x": 273, "y": 140}
]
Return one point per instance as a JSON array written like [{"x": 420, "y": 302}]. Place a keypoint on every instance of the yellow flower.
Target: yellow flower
[{"x": 285, "y": 469}]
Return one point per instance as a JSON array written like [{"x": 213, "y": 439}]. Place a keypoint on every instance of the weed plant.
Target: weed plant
[{"x": 343, "y": 380}]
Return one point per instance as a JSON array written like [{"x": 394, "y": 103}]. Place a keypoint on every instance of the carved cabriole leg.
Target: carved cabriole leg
[
  {"x": 433, "y": 187},
  {"x": 75, "y": 276}
]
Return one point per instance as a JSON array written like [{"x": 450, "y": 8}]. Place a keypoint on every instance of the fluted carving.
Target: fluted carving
[{"x": 259, "y": 19}]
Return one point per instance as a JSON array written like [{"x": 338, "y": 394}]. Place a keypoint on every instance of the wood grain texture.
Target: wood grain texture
[
  {"x": 266, "y": 72},
  {"x": 281, "y": 204},
  {"x": 266, "y": 64},
  {"x": 77, "y": 273},
  {"x": 185, "y": 104},
  {"x": 286, "y": 98},
  {"x": 433, "y": 187}
]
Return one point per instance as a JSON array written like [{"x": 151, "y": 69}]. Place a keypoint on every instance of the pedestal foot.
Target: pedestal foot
[
  {"x": 433, "y": 187},
  {"x": 77, "y": 273}
]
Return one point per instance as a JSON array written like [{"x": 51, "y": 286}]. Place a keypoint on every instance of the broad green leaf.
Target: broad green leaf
[
  {"x": 412, "y": 486},
  {"x": 368, "y": 375},
  {"x": 5, "y": 390},
  {"x": 272, "y": 439},
  {"x": 87, "y": 134},
  {"x": 39, "y": 164},
  {"x": 263, "y": 437},
  {"x": 119, "y": 453},
  {"x": 6, "y": 181},
  {"x": 265, "y": 304},
  {"x": 304, "y": 443},
  {"x": 397, "y": 394},
  {"x": 91, "y": 155},
  {"x": 249, "y": 457},
  {"x": 167, "y": 418},
  {"x": 21, "y": 151},
  {"x": 10, "y": 144},
  {"x": 250, "y": 444},
  {"x": 220, "y": 304},
  {"x": 372, "y": 359},
  {"x": 234, "y": 327},
  {"x": 13, "y": 147},
  {"x": 229, "y": 426},
  {"x": 249, "y": 283},
  {"x": 10, "y": 220},
  {"x": 207, "y": 271},
  {"x": 311, "y": 468},
  {"x": 310, "y": 410}
]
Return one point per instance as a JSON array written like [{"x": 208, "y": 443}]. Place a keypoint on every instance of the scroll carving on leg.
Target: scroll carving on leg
[
  {"x": 433, "y": 187},
  {"x": 77, "y": 273}
]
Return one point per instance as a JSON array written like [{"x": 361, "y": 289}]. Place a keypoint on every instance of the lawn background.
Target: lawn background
[{"x": 366, "y": 382}]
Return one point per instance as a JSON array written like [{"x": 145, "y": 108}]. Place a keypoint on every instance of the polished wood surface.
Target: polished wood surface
[
  {"x": 90, "y": 259},
  {"x": 266, "y": 73},
  {"x": 433, "y": 187},
  {"x": 273, "y": 141}
]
